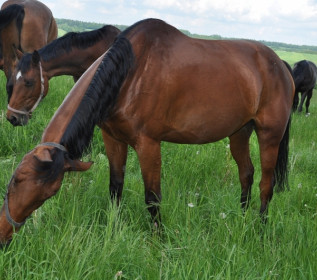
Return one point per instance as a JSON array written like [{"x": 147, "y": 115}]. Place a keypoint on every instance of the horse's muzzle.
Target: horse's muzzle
[{"x": 17, "y": 119}]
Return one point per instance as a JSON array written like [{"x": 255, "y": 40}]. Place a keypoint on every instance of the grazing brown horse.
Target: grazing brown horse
[
  {"x": 156, "y": 84},
  {"x": 25, "y": 25},
  {"x": 71, "y": 54}
]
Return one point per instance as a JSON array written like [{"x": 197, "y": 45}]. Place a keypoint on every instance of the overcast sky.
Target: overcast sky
[{"x": 288, "y": 21}]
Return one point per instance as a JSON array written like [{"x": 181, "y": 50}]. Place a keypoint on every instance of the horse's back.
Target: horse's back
[{"x": 199, "y": 89}]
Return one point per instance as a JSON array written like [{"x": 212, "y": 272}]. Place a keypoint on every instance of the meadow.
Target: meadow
[{"x": 79, "y": 234}]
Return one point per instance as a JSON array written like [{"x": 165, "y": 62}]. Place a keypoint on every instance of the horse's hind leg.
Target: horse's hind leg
[
  {"x": 303, "y": 97},
  {"x": 149, "y": 153},
  {"x": 309, "y": 95},
  {"x": 117, "y": 156},
  {"x": 269, "y": 141},
  {"x": 239, "y": 146}
]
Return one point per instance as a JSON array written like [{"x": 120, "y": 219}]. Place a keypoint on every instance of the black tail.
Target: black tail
[
  {"x": 289, "y": 68},
  {"x": 295, "y": 100},
  {"x": 10, "y": 13},
  {"x": 281, "y": 168},
  {"x": 100, "y": 96}
]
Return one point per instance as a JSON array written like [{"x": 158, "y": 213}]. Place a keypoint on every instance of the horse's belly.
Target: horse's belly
[{"x": 202, "y": 131}]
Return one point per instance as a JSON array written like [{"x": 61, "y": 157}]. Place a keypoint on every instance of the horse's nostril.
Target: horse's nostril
[{"x": 13, "y": 120}]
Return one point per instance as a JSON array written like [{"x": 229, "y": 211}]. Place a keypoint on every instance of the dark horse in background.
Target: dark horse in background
[
  {"x": 25, "y": 25},
  {"x": 156, "y": 84},
  {"x": 305, "y": 76},
  {"x": 71, "y": 54}
]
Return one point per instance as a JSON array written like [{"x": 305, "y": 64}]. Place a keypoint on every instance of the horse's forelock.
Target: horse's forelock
[
  {"x": 24, "y": 64},
  {"x": 49, "y": 172}
]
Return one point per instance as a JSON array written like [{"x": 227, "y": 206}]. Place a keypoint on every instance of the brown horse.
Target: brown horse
[
  {"x": 156, "y": 84},
  {"x": 25, "y": 25},
  {"x": 71, "y": 54}
]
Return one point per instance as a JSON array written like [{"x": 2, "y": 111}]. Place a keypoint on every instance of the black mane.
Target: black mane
[
  {"x": 80, "y": 40},
  {"x": 99, "y": 98},
  {"x": 66, "y": 43},
  {"x": 95, "y": 106}
]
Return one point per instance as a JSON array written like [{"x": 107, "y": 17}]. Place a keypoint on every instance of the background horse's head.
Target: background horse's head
[
  {"x": 26, "y": 26},
  {"x": 299, "y": 72},
  {"x": 28, "y": 79},
  {"x": 37, "y": 178}
]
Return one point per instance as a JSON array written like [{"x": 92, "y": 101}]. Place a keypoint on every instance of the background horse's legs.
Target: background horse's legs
[
  {"x": 300, "y": 108},
  {"x": 309, "y": 95},
  {"x": 117, "y": 156},
  {"x": 239, "y": 146},
  {"x": 149, "y": 153}
]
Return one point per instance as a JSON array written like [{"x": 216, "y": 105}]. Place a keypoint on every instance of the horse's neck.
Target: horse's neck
[
  {"x": 65, "y": 64},
  {"x": 62, "y": 117},
  {"x": 74, "y": 63}
]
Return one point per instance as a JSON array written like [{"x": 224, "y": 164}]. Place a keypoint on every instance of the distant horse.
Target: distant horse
[
  {"x": 71, "y": 54},
  {"x": 156, "y": 84},
  {"x": 25, "y": 25},
  {"x": 305, "y": 76}
]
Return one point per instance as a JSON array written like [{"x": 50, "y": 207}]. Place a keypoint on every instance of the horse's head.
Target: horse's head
[
  {"x": 28, "y": 88},
  {"x": 37, "y": 178}
]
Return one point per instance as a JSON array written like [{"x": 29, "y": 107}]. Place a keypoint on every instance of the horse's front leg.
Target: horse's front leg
[
  {"x": 295, "y": 101},
  {"x": 117, "y": 156},
  {"x": 149, "y": 153}
]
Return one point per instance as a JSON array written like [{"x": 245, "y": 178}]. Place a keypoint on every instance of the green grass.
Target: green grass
[
  {"x": 292, "y": 57},
  {"x": 78, "y": 234}
]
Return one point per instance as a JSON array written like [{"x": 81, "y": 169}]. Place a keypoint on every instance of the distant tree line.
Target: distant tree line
[{"x": 68, "y": 25}]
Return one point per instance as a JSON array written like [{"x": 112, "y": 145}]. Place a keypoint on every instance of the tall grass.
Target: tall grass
[{"x": 78, "y": 234}]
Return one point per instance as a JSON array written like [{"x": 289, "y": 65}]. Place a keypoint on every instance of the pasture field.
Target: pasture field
[
  {"x": 78, "y": 234},
  {"x": 292, "y": 57}
]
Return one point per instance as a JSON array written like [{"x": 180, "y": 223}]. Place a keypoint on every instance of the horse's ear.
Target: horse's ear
[
  {"x": 76, "y": 165},
  {"x": 43, "y": 155},
  {"x": 36, "y": 57},
  {"x": 18, "y": 53}
]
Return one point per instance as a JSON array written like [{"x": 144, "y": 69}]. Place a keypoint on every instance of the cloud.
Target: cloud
[
  {"x": 290, "y": 21},
  {"x": 243, "y": 10}
]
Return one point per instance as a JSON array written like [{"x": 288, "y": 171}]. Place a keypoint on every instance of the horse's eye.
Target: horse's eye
[
  {"x": 16, "y": 180},
  {"x": 28, "y": 83}
]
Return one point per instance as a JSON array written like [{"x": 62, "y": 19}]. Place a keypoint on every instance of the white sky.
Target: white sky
[{"x": 288, "y": 21}]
